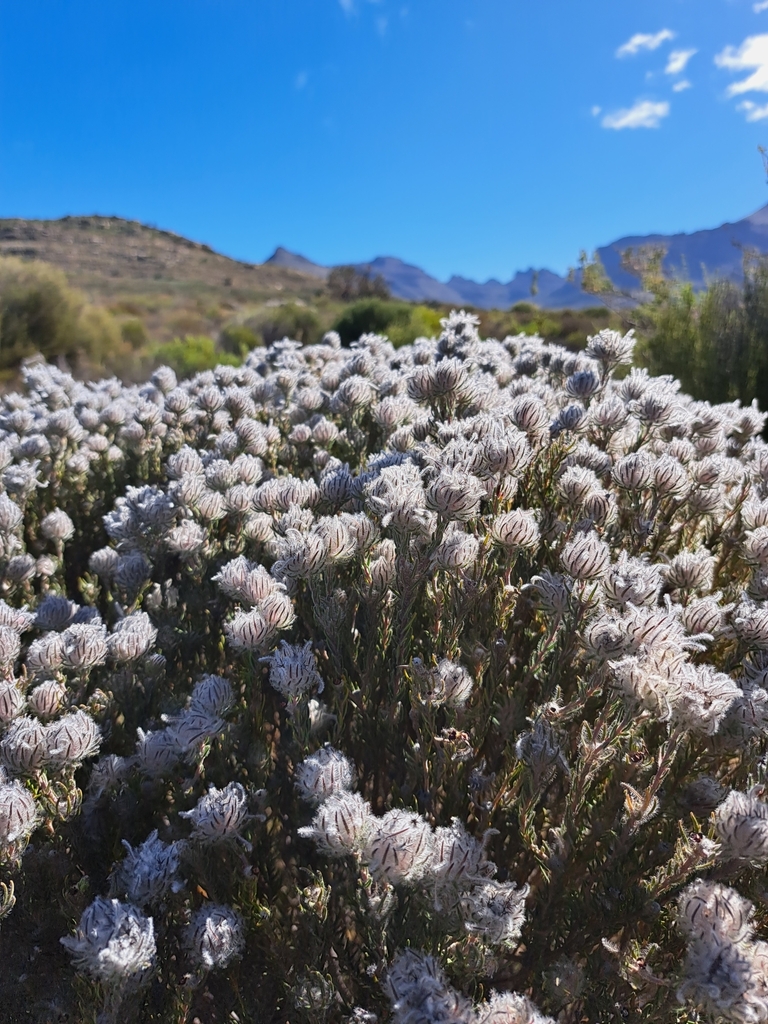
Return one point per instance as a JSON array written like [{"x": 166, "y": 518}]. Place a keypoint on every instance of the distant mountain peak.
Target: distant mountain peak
[
  {"x": 697, "y": 256},
  {"x": 293, "y": 261}
]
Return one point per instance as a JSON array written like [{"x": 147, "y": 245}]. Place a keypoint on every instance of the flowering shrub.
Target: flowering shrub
[{"x": 426, "y": 684}]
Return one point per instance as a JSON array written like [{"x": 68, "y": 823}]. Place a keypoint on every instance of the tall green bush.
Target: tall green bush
[
  {"x": 400, "y": 321},
  {"x": 716, "y": 341},
  {"x": 39, "y": 312},
  {"x": 290, "y": 320}
]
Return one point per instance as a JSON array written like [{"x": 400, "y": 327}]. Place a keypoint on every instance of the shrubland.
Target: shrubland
[
  {"x": 41, "y": 314},
  {"x": 97, "y": 334},
  {"x": 354, "y": 684},
  {"x": 714, "y": 341}
]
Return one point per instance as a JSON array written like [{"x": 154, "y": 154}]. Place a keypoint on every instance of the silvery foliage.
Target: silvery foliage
[
  {"x": 148, "y": 873},
  {"x": 613, "y": 533}
]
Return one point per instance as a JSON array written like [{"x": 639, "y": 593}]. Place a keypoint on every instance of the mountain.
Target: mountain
[
  {"x": 697, "y": 257},
  {"x": 543, "y": 287},
  {"x": 292, "y": 261},
  {"x": 413, "y": 284}
]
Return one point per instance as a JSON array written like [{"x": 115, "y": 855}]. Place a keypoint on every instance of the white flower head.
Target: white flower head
[
  {"x": 215, "y": 936},
  {"x": 322, "y": 774},
  {"x": 293, "y": 670},
  {"x": 219, "y": 815},
  {"x": 148, "y": 873},
  {"x": 114, "y": 942}
]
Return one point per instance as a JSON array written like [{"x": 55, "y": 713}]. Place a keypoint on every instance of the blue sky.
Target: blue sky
[{"x": 467, "y": 136}]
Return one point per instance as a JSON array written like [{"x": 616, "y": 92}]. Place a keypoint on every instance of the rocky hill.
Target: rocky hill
[
  {"x": 173, "y": 285},
  {"x": 112, "y": 254}
]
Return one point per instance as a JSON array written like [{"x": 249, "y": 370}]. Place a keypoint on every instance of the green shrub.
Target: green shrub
[
  {"x": 134, "y": 333},
  {"x": 715, "y": 342},
  {"x": 238, "y": 340},
  {"x": 40, "y": 313},
  {"x": 422, "y": 322},
  {"x": 288, "y": 321},
  {"x": 374, "y": 316},
  {"x": 192, "y": 354}
]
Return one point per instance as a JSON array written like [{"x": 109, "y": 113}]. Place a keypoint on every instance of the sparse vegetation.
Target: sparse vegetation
[
  {"x": 150, "y": 290},
  {"x": 345, "y": 284}
]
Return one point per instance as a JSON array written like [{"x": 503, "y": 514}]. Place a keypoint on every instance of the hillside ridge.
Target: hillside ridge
[
  {"x": 696, "y": 256},
  {"x": 105, "y": 255}
]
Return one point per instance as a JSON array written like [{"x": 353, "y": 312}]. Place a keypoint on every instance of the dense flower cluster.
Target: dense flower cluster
[{"x": 461, "y": 646}]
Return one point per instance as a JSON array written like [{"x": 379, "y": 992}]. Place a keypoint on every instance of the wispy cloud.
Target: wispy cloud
[
  {"x": 301, "y": 80},
  {"x": 681, "y": 86},
  {"x": 644, "y": 114},
  {"x": 350, "y": 6},
  {"x": 678, "y": 60},
  {"x": 753, "y": 111},
  {"x": 752, "y": 56},
  {"x": 644, "y": 41},
  {"x": 761, "y": 6}
]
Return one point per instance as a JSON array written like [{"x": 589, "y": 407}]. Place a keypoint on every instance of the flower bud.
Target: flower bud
[
  {"x": 215, "y": 936},
  {"x": 323, "y": 774},
  {"x": 516, "y": 530},
  {"x": 586, "y": 557}
]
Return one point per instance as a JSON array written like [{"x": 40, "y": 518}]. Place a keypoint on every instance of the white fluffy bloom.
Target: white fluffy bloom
[
  {"x": 400, "y": 847},
  {"x": 586, "y": 557},
  {"x": 219, "y": 815},
  {"x": 215, "y": 936},
  {"x": 322, "y": 774},
  {"x": 419, "y": 992},
  {"x": 293, "y": 670},
  {"x": 495, "y": 911},
  {"x": 741, "y": 822},
  {"x": 148, "y": 873},
  {"x": 341, "y": 825},
  {"x": 114, "y": 941},
  {"x": 132, "y": 637},
  {"x": 71, "y": 739},
  {"x": 18, "y": 814}
]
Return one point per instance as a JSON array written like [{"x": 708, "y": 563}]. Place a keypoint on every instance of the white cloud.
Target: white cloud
[
  {"x": 644, "y": 41},
  {"x": 644, "y": 114},
  {"x": 762, "y": 6},
  {"x": 752, "y": 56},
  {"x": 596, "y": 111},
  {"x": 677, "y": 61},
  {"x": 753, "y": 111},
  {"x": 681, "y": 86}
]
